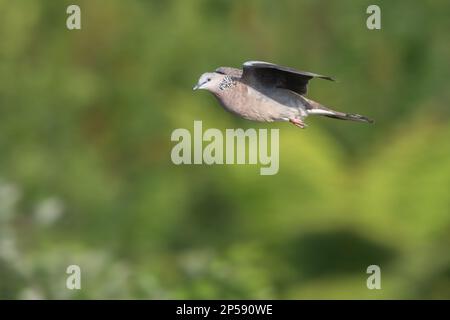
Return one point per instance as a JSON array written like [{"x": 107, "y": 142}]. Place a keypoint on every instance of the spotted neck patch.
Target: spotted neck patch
[{"x": 226, "y": 83}]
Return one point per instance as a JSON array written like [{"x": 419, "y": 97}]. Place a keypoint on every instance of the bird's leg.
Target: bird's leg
[{"x": 298, "y": 123}]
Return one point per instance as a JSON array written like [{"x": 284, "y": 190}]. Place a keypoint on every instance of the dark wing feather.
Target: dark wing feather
[{"x": 264, "y": 74}]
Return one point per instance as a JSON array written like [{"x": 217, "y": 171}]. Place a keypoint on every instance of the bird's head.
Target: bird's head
[{"x": 209, "y": 81}]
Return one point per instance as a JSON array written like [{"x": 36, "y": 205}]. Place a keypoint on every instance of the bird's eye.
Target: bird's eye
[{"x": 209, "y": 79}]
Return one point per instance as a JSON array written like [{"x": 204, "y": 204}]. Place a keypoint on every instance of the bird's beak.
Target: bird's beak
[{"x": 198, "y": 85}]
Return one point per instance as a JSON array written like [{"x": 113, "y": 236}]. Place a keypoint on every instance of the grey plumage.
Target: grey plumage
[{"x": 267, "y": 92}]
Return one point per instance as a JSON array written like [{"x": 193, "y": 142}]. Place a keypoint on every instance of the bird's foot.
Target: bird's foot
[{"x": 298, "y": 123}]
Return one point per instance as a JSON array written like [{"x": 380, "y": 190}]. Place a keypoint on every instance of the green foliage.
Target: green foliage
[{"x": 86, "y": 177}]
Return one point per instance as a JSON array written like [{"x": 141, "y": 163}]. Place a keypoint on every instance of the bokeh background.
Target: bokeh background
[{"x": 86, "y": 176}]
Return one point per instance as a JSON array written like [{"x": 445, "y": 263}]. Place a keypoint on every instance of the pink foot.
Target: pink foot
[{"x": 298, "y": 123}]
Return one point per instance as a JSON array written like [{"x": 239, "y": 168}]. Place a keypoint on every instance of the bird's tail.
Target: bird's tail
[{"x": 317, "y": 108}]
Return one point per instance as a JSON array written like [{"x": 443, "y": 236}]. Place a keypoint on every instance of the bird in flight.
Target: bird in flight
[{"x": 267, "y": 92}]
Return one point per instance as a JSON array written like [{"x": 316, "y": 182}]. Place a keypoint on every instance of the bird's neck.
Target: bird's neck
[{"x": 227, "y": 83}]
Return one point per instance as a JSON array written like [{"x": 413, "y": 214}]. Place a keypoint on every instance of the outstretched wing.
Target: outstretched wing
[{"x": 269, "y": 75}]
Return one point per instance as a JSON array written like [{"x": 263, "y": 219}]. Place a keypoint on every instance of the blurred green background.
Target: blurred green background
[{"x": 86, "y": 176}]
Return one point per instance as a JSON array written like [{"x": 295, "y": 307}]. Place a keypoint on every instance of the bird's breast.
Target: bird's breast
[{"x": 252, "y": 104}]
